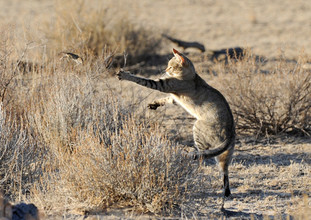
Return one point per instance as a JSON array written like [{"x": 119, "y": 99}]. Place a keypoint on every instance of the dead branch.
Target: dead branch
[{"x": 185, "y": 44}]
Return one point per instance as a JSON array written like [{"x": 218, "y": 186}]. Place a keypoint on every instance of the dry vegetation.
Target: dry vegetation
[
  {"x": 94, "y": 32},
  {"x": 267, "y": 100},
  {"x": 70, "y": 142}
]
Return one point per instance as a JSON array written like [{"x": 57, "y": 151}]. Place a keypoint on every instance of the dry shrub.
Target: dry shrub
[
  {"x": 98, "y": 154},
  {"x": 268, "y": 101},
  {"x": 12, "y": 140},
  {"x": 19, "y": 154},
  {"x": 134, "y": 166},
  {"x": 90, "y": 31},
  {"x": 70, "y": 142}
]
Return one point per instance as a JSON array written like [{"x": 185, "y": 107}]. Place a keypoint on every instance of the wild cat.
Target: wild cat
[{"x": 214, "y": 130}]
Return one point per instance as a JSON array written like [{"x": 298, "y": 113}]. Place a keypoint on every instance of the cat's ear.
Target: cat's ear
[{"x": 180, "y": 58}]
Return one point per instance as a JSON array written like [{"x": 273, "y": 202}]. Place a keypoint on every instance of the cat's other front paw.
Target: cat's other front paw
[
  {"x": 122, "y": 74},
  {"x": 153, "y": 106}
]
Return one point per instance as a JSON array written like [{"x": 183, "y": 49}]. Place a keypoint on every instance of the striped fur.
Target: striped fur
[{"x": 214, "y": 131}]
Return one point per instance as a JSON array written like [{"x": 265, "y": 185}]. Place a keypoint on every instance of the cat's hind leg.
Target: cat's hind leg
[
  {"x": 224, "y": 161},
  {"x": 206, "y": 137}
]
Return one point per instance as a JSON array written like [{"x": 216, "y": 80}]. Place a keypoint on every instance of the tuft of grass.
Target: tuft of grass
[{"x": 134, "y": 166}]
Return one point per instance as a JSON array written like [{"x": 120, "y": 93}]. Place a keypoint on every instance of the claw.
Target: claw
[
  {"x": 153, "y": 106},
  {"x": 119, "y": 74}
]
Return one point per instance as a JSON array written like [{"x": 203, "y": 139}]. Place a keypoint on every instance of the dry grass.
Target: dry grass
[
  {"x": 100, "y": 155},
  {"x": 267, "y": 100},
  {"x": 135, "y": 166},
  {"x": 69, "y": 140},
  {"x": 91, "y": 32}
]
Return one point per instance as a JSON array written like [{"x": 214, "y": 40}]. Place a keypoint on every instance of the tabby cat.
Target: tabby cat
[{"x": 214, "y": 130}]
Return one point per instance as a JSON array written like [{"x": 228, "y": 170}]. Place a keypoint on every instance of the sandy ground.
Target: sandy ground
[
  {"x": 265, "y": 26},
  {"x": 267, "y": 178}
]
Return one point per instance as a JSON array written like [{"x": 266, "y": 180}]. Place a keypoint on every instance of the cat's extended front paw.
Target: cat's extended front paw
[
  {"x": 123, "y": 74},
  {"x": 153, "y": 106}
]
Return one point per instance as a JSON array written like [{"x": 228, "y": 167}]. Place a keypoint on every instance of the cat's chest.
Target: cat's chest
[{"x": 190, "y": 104}]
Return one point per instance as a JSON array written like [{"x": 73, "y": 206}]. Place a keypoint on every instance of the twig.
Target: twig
[{"x": 125, "y": 55}]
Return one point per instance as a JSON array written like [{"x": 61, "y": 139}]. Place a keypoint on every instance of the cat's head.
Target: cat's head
[{"x": 180, "y": 67}]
